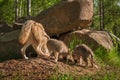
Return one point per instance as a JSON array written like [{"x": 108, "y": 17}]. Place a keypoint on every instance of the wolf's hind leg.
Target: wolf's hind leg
[
  {"x": 23, "y": 50},
  {"x": 39, "y": 50},
  {"x": 47, "y": 53}
]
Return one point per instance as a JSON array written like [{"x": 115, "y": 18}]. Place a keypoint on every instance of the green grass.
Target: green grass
[
  {"x": 62, "y": 77},
  {"x": 112, "y": 74},
  {"x": 109, "y": 58},
  {"x": 99, "y": 76},
  {"x": 113, "y": 57}
]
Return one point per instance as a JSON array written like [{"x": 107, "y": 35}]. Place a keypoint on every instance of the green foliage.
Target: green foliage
[
  {"x": 62, "y": 77},
  {"x": 40, "y": 5},
  {"x": 84, "y": 78},
  {"x": 109, "y": 58},
  {"x": 18, "y": 76},
  {"x": 111, "y": 16},
  {"x": 114, "y": 57},
  {"x": 1, "y": 74},
  {"x": 75, "y": 41},
  {"x": 103, "y": 75},
  {"x": 7, "y": 8}
]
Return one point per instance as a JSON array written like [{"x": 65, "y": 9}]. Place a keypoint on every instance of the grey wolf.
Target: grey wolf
[{"x": 33, "y": 33}]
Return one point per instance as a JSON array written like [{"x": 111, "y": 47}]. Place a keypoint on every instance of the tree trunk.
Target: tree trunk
[
  {"x": 16, "y": 10},
  {"x": 20, "y": 8},
  {"x": 101, "y": 15},
  {"x": 28, "y": 7}
]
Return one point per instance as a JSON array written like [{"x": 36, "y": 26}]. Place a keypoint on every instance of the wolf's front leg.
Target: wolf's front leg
[
  {"x": 56, "y": 56},
  {"x": 80, "y": 60}
]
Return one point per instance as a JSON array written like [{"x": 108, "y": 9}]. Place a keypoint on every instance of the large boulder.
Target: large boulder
[
  {"x": 9, "y": 46},
  {"x": 9, "y": 50},
  {"x": 92, "y": 38},
  {"x": 4, "y": 27},
  {"x": 9, "y": 36},
  {"x": 66, "y": 15}
]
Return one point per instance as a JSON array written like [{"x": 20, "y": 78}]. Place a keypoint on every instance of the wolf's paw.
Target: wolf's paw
[
  {"x": 47, "y": 54},
  {"x": 26, "y": 58},
  {"x": 55, "y": 61}
]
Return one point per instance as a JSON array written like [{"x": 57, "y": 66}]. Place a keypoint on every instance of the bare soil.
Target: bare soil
[{"x": 39, "y": 69}]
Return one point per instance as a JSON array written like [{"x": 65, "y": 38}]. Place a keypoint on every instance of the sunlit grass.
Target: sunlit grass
[{"x": 110, "y": 58}]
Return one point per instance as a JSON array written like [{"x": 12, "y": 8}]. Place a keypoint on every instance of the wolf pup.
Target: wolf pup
[
  {"x": 84, "y": 52},
  {"x": 58, "y": 48}
]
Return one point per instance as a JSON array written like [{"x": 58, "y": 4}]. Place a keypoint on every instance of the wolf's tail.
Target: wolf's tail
[
  {"x": 25, "y": 32},
  {"x": 39, "y": 31}
]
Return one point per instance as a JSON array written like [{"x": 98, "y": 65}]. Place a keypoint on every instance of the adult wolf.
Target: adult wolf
[{"x": 33, "y": 33}]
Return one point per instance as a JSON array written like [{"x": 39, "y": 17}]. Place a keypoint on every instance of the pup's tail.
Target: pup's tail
[{"x": 25, "y": 32}]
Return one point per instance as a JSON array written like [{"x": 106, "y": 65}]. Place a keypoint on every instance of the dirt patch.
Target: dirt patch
[{"x": 39, "y": 68}]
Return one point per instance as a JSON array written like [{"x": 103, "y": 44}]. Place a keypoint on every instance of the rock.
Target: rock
[
  {"x": 90, "y": 37},
  {"x": 9, "y": 50},
  {"x": 66, "y": 15},
  {"x": 4, "y": 27},
  {"x": 9, "y": 36}
]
